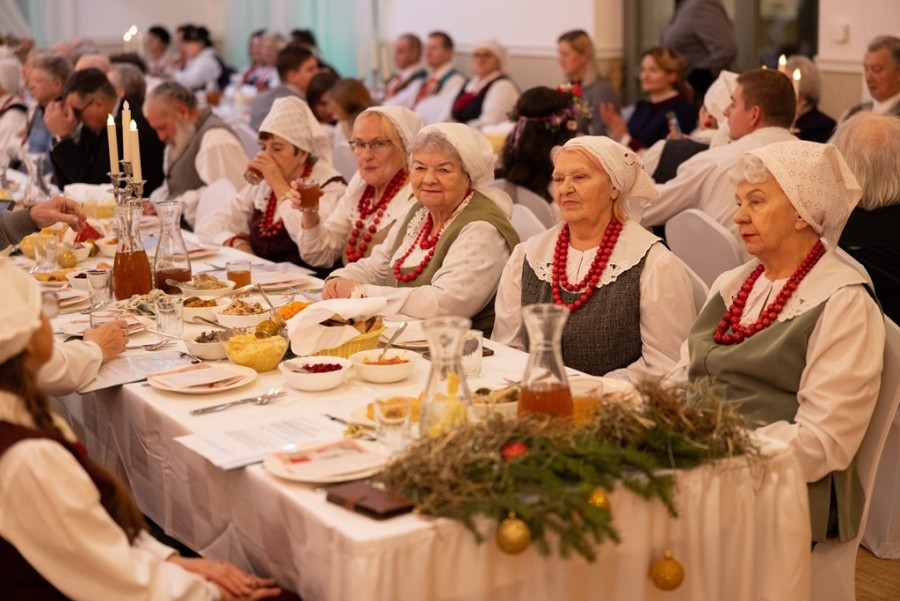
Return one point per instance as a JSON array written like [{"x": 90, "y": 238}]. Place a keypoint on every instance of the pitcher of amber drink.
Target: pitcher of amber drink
[
  {"x": 545, "y": 388},
  {"x": 172, "y": 261},
  {"x": 446, "y": 400},
  {"x": 131, "y": 268}
]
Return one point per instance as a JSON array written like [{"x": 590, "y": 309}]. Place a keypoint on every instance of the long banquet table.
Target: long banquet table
[{"x": 742, "y": 532}]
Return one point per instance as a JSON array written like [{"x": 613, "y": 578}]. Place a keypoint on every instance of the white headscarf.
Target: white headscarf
[
  {"x": 11, "y": 75},
  {"x": 496, "y": 49},
  {"x": 624, "y": 168},
  {"x": 477, "y": 156},
  {"x": 716, "y": 100},
  {"x": 292, "y": 119},
  {"x": 406, "y": 122},
  {"x": 20, "y": 311},
  {"x": 817, "y": 181}
]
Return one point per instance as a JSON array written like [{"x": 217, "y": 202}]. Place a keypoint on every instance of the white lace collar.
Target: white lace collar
[
  {"x": 827, "y": 277},
  {"x": 634, "y": 242}
]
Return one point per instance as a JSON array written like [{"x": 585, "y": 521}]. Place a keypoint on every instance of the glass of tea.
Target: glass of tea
[
  {"x": 253, "y": 176},
  {"x": 309, "y": 194},
  {"x": 238, "y": 272}
]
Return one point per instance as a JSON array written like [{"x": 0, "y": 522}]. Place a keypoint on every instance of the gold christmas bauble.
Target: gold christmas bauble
[
  {"x": 599, "y": 499},
  {"x": 513, "y": 535},
  {"x": 66, "y": 259},
  {"x": 667, "y": 573}
]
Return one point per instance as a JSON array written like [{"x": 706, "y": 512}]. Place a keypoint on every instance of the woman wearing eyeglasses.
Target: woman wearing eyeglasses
[
  {"x": 489, "y": 95},
  {"x": 378, "y": 195}
]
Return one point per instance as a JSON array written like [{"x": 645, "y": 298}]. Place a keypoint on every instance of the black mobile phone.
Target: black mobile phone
[
  {"x": 6, "y": 205},
  {"x": 673, "y": 121}
]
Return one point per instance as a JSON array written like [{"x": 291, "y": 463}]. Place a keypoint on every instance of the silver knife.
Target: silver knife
[{"x": 260, "y": 399}]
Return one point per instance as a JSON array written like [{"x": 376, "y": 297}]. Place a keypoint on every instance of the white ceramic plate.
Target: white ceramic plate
[
  {"x": 297, "y": 473},
  {"x": 53, "y": 285},
  {"x": 72, "y": 296},
  {"x": 279, "y": 280},
  {"x": 202, "y": 250},
  {"x": 246, "y": 374},
  {"x": 76, "y": 323},
  {"x": 412, "y": 338},
  {"x": 612, "y": 388},
  {"x": 360, "y": 417}
]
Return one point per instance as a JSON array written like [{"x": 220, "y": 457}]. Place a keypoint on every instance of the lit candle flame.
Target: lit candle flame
[{"x": 782, "y": 63}]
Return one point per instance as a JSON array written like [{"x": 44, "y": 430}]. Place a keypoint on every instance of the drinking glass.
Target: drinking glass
[
  {"x": 309, "y": 194},
  {"x": 238, "y": 272},
  {"x": 46, "y": 251},
  {"x": 471, "y": 355},
  {"x": 253, "y": 176},
  {"x": 392, "y": 420},
  {"x": 170, "y": 315}
]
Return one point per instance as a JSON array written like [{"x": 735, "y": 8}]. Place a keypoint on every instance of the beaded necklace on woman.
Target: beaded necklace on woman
[
  {"x": 268, "y": 227},
  {"x": 365, "y": 207},
  {"x": 426, "y": 241},
  {"x": 559, "y": 278},
  {"x": 732, "y": 317}
]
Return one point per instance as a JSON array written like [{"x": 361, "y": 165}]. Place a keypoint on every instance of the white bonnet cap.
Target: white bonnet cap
[
  {"x": 817, "y": 181},
  {"x": 718, "y": 96},
  {"x": 496, "y": 49},
  {"x": 11, "y": 75},
  {"x": 406, "y": 122},
  {"x": 623, "y": 166},
  {"x": 477, "y": 156},
  {"x": 292, "y": 119},
  {"x": 20, "y": 311}
]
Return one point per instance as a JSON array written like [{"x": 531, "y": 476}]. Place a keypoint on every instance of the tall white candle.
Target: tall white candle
[
  {"x": 796, "y": 80},
  {"x": 113, "y": 140},
  {"x": 126, "y": 139},
  {"x": 782, "y": 64},
  {"x": 135, "y": 151}
]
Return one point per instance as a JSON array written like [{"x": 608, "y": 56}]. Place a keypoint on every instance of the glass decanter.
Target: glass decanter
[
  {"x": 172, "y": 261},
  {"x": 545, "y": 388},
  {"x": 131, "y": 267},
  {"x": 36, "y": 190},
  {"x": 446, "y": 400}
]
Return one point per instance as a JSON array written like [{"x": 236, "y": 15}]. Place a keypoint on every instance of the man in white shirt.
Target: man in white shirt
[
  {"x": 201, "y": 68},
  {"x": 408, "y": 60},
  {"x": 882, "y": 70},
  {"x": 200, "y": 147},
  {"x": 432, "y": 97},
  {"x": 761, "y": 112}
]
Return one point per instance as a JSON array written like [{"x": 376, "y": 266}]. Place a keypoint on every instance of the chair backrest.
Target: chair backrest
[
  {"x": 542, "y": 209},
  {"x": 703, "y": 243},
  {"x": 249, "y": 138},
  {"x": 833, "y": 563},
  {"x": 847, "y": 258},
  {"x": 212, "y": 198},
  {"x": 525, "y": 223},
  {"x": 698, "y": 287},
  {"x": 344, "y": 161}
]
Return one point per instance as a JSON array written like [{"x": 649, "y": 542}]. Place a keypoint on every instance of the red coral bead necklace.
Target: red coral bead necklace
[
  {"x": 559, "y": 279},
  {"x": 732, "y": 317},
  {"x": 356, "y": 249},
  {"x": 268, "y": 227}
]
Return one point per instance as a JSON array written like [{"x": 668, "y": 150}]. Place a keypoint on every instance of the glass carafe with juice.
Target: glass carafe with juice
[
  {"x": 545, "y": 388},
  {"x": 131, "y": 268},
  {"x": 172, "y": 261},
  {"x": 446, "y": 400}
]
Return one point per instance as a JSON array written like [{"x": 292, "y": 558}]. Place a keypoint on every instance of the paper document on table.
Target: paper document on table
[
  {"x": 125, "y": 369},
  {"x": 240, "y": 447}
]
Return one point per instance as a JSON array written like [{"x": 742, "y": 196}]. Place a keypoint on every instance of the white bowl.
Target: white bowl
[
  {"x": 189, "y": 290},
  {"x": 82, "y": 253},
  {"x": 108, "y": 247},
  {"x": 239, "y": 321},
  {"x": 384, "y": 374},
  {"x": 79, "y": 283},
  {"x": 208, "y": 351},
  {"x": 192, "y": 313},
  {"x": 314, "y": 382}
]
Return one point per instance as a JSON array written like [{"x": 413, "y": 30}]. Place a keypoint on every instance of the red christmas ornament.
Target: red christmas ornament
[
  {"x": 513, "y": 450},
  {"x": 732, "y": 317},
  {"x": 560, "y": 280}
]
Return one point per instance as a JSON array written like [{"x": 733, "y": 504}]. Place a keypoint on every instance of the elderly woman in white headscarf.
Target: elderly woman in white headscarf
[
  {"x": 794, "y": 336},
  {"x": 377, "y": 197},
  {"x": 446, "y": 256},
  {"x": 92, "y": 543},
  {"x": 489, "y": 95},
  {"x": 259, "y": 219},
  {"x": 631, "y": 300},
  {"x": 12, "y": 106}
]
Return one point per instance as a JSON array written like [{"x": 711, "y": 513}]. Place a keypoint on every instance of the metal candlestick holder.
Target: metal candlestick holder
[{"x": 125, "y": 188}]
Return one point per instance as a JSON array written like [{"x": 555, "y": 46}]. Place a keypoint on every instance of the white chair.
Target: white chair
[
  {"x": 542, "y": 209},
  {"x": 249, "y": 138},
  {"x": 844, "y": 256},
  {"x": 344, "y": 161},
  {"x": 834, "y": 564},
  {"x": 525, "y": 223},
  {"x": 698, "y": 287},
  {"x": 212, "y": 198},
  {"x": 703, "y": 243}
]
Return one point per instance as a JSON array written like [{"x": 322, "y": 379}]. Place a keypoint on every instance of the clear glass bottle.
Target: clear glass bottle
[
  {"x": 172, "y": 261},
  {"x": 446, "y": 400},
  {"x": 131, "y": 267},
  {"x": 36, "y": 190},
  {"x": 545, "y": 388}
]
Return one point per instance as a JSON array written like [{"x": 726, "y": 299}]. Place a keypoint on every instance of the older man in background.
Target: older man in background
[
  {"x": 200, "y": 147},
  {"x": 761, "y": 112},
  {"x": 432, "y": 96},
  {"x": 408, "y": 62},
  {"x": 882, "y": 71},
  {"x": 46, "y": 77}
]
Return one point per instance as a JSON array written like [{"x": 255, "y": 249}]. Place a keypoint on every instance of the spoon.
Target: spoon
[
  {"x": 392, "y": 339},
  {"x": 154, "y": 346},
  {"x": 265, "y": 296}
]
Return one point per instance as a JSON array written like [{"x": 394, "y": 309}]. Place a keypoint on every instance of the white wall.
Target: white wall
[
  {"x": 105, "y": 22},
  {"x": 861, "y": 21}
]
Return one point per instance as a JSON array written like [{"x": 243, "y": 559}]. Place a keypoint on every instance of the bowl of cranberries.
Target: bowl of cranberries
[{"x": 314, "y": 374}]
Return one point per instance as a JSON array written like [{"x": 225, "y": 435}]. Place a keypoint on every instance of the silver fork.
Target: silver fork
[
  {"x": 153, "y": 346},
  {"x": 262, "y": 399}
]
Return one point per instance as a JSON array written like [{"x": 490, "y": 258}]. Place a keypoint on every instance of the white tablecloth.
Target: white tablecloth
[{"x": 742, "y": 534}]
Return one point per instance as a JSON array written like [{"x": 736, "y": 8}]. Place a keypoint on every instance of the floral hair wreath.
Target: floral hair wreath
[{"x": 566, "y": 117}]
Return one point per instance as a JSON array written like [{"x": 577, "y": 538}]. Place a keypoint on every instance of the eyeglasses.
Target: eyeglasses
[
  {"x": 49, "y": 304},
  {"x": 78, "y": 111},
  {"x": 376, "y": 145}
]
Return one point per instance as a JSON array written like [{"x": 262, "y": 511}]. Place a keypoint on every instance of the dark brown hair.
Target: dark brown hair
[{"x": 772, "y": 92}]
